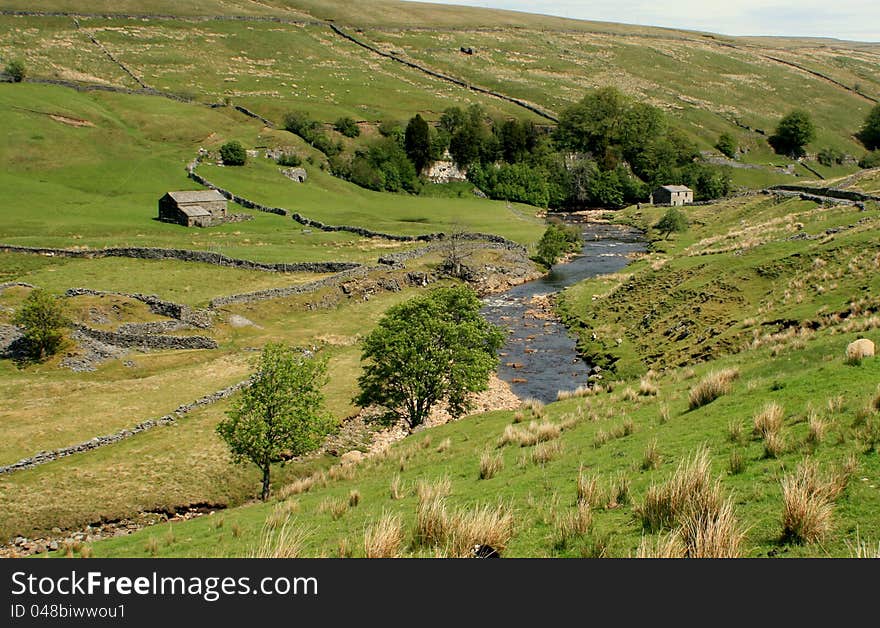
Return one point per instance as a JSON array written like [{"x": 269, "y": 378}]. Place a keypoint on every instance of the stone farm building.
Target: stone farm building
[
  {"x": 201, "y": 208},
  {"x": 672, "y": 195}
]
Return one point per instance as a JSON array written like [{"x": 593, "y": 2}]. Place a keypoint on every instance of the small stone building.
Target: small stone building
[
  {"x": 200, "y": 208},
  {"x": 672, "y": 195}
]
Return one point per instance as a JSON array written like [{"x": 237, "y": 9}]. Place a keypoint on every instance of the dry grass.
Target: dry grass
[
  {"x": 341, "y": 472},
  {"x": 546, "y": 452},
  {"x": 664, "y": 414},
  {"x": 431, "y": 521},
  {"x": 713, "y": 535},
  {"x": 588, "y": 491},
  {"x": 736, "y": 463},
  {"x": 444, "y": 446},
  {"x": 711, "y": 387},
  {"x": 629, "y": 395},
  {"x": 651, "y": 458},
  {"x": 529, "y": 436},
  {"x": 817, "y": 426},
  {"x": 151, "y": 547},
  {"x": 661, "y": 546},
  {"x": 618, "y": 491},
  {"x": 863, "y": 549},
  {"x": 354, "y": 498},
  {"x": 774, "y": 445},
  {"x": 490, "y": 464},
  {"x": 647, "y": 388},
  {"x": 335, "y": 506},
  {"x": 769, "y": 420},
  {"x": 437, "y": 489},
  {"x": 384, "y": 539},
  {"x": 735, "y": 431},
  {"x": 398, "y": 491},
  {"x": 808, "y": 503},
  {"x": 601, "y": 438},
  {"x": 458, "y": 532},
  {"x": 304, "y": 485},
  {"x": 535, "y": 407},
  {"x": 580, "y": 391},
  {"x": 289, "y": 542},
  {"x": 574, "y": 523}
]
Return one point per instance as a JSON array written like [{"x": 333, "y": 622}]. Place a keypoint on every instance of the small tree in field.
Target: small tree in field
[
  {"x": 280, "y": 413},
  {"x": 727, "y": 145},
  {"x": 43, "y": 319},
  {"x": 557, "y": 240},
  {"x": 431, "y": 349},
  {"x": 869, "y": 135},
  {"x": 673, "y": 221},
  {"x": 15, "y": 70},
  {"x": 233, "y": 153},
  {"x": 793, "y": 132}
]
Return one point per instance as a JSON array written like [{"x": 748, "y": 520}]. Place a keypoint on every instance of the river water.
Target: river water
[{"x": 540, "y": 355}]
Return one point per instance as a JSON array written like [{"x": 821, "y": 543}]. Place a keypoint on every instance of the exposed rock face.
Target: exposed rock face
[
  {"x": 445, "y": 171},
  {"x": 297, "y": 175}
]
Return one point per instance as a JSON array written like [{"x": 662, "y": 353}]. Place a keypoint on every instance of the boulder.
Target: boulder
[{"x": 858, "y": 349}]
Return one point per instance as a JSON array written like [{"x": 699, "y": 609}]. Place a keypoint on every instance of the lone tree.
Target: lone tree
[
  {"x": 417, "y": 142},
  {"x": 43, "y": 319},
  {"x": 233, "y": 153},
  {"x": 673, "y": 221},
  {"x": 727, "y": 145},
  {"x": 15, "y": 70},
  {"x": 280, "y": 413},
  {"x": 431, "y": 349},
  {"x": 793, "y": 132},
  {"x": 870, "y": 133}
]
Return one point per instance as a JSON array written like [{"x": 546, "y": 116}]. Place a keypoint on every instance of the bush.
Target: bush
[
  {"x": 870, "y": 160},
  {"x": 233, "y": 153},
  {"x": 15, "y": 70},
  {"x": 870, "y": 133},
  {"x": 43, "y": 319},
  {"x": 289, "y": 159},
  {"x": 347, "y": 127},
  {"x": 556, "y": 241},
  {"x": 299, "y": 123},
  {"x": 726, "y": 145},
  {"x": 828, "y": 156}
]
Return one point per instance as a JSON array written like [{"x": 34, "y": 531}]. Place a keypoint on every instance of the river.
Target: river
[{"x": 540, "y": 355}]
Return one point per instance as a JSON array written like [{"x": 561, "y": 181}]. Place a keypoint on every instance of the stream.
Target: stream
[{"x": 540, "y": 357}]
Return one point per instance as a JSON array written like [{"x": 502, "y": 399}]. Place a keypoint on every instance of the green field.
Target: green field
[{"x": 772, "y": 288}]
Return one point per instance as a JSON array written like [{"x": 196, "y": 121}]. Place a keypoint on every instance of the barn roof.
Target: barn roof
[
  {"x": 194, "y": 211},
  {"x": 197, "y": 196},
  {"x": 677, "y": 188}
]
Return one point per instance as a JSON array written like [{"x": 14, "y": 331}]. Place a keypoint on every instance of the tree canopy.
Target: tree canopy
[
  {"x": 794, "y": 131},
  {"x": 233, "y": 153},
  {"x": 870, "y": 133},
  {"x": 281, "y": 413},
  {"x": 434, "y": 348},
  {"x": 417, "y": 142},
  {"x": 673, "y": 221},
  {"x": 42, "y": 318}
]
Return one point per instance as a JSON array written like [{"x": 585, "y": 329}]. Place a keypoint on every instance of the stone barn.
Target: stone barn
[
  {"x": 672, "y": 195},
  {"x": 200, "y": 208}
]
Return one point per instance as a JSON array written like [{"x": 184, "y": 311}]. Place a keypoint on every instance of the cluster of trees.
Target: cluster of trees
[
  {"x": 607, "y": 151},
  {"x": 432, "y": 349}
]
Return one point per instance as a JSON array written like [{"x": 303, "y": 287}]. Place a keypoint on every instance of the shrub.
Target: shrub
[
  {"x": 711, "y": 387},
  {"x": 829, "y": 156},
  {"x": 15, "y": 70},
  {"x": 347, "y": 127},
  {"x": 233, "y": 154},
  {"x": 673, "y": 221},
  {"x": 869, "y": 135},
  {"x": 726, "y": 145},
  {"x": 42, "y": 318},
  {"x": 291, "y": 160},
  {"x": 794, "y": 131},
  {"x": 870, "y": 160}
]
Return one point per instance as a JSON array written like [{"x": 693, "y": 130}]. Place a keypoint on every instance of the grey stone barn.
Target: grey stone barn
[
  {"x": 200, "y": 208},
  {"x": 672, "y": 195}
]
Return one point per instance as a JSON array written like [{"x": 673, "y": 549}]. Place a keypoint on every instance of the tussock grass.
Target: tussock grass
[
  {"x": 336, "y": 507},
  {"x": 288, "y": 542},
  {"x": 431, "y": 521},
  {"x": 444, "y": 446},
  {"x": 151, "y": 547},
  {"x": 661, "y": 546},
  {"x": 354, "y": 498},
  {"x": 398, "y": 490},
  {"x": 384, "y": 539},
  {"x": 736, "y": 463},
  {"x": 534, "y": 407},
  {"x": 529, "y": 436},
  {"x": 588, "y": 491},
  {"x": 735, "y": 431},
  {"x": 547, "y": 451},
  {"x": 618, "y": 491},
  {"x": 341, "y": 472},
  {"x": 769, "y": 420},
  {"x": 580, "y": 391},
  {"x": 817, "y": 427},
  {"x": 808, "y": 503},
  {"x": 647, "y": 388},
  {"x": 651, "y": 458},
  {"x": 711, "y": 387},
  {"x": 774, "y": 445},
  {"x": 573, "y": 524},
  {"x": 436, "y": 489},
  {"x": 457, "y": 532},
  {"x": 490, "y": 464}
]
